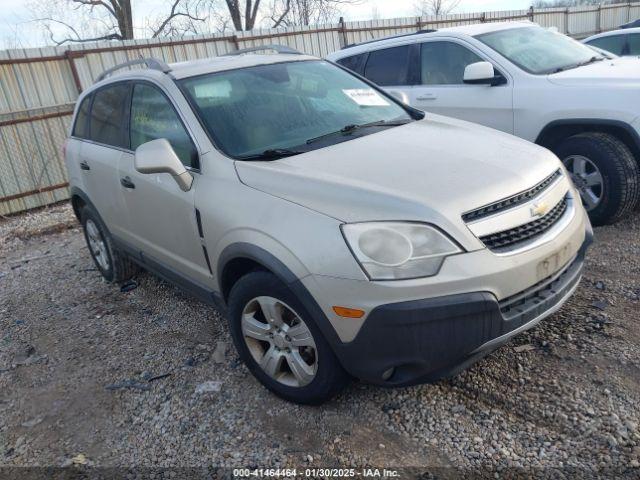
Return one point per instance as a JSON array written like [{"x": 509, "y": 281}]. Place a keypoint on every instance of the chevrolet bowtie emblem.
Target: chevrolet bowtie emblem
[{"x": 539, "y": 209}]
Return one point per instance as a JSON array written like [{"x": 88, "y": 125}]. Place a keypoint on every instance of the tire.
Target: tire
[
  {"x": 112, "y": 263},
  {"x": 329, "y": 377},
  {"x": 619, "y": 174}
]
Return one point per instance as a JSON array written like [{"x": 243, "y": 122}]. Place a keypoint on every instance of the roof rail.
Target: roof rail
[
  {"x": 419, "y": 32},
  {"x": 152, "y": 63},
  {"x": 275, "y": 48}
]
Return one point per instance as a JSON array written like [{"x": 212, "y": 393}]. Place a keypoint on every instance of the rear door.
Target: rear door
[
  {"x": 442, "y": 90},
  {"x": 162, "y": 219},
  {"x": 105, "y": 143}
]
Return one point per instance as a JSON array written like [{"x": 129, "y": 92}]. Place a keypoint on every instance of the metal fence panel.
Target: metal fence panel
[{"x": 38, "y": 86}]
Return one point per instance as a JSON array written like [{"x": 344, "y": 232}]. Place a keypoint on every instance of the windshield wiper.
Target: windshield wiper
[
  {"x": 577, "y": 65},
  {"x": 348, "y": 129},
  {"x": 272, "y": 154}
]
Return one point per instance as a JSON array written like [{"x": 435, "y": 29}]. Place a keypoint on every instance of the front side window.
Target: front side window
[
  {"x": 539, "y": 51},
  {"x": 108, "y": 115},
  {"x": 389, "y": 66},
  {"x": 153, "y": 117},
  {"x": 292, "y": 105},
  {"x": 443, "y": 63},
  {"x": 80, "y": 127},
  {"x": 634, "y": 44},
  {"x": 614, "y": 43}
]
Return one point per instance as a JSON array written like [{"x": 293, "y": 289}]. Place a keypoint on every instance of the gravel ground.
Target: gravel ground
[{"x": 93, "y": 375}]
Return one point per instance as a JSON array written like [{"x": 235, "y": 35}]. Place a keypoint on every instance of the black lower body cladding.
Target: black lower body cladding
[{"x": 420, "y": 341}]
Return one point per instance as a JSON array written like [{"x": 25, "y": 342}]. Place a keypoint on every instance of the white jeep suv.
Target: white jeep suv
[
  {"x": 345, "y": 233},
  {"x": 532, "y": 82}
]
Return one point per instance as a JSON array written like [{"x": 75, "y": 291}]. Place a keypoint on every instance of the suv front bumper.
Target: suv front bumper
[{"x": 419, "y": 341}]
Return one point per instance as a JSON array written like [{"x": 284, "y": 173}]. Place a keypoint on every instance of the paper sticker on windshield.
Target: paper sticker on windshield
[{"x": 366, "y": 97}]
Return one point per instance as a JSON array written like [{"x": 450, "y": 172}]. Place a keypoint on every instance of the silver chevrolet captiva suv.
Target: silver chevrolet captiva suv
[{"x": 344, "y": 233}]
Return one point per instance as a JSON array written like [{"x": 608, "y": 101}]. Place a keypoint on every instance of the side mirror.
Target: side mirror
[
  {"x": 158, "y": 156},
  {"x": 482, "y": 73}
]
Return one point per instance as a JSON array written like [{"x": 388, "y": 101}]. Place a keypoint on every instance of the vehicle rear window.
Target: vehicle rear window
[
  {"x": 389, "y": 66},
  {"x": 80, "y": 129},
  {"x": 108, "y": 115},
  {"x": 614, "y": 43},
  {"x": 354, "y": 63}
]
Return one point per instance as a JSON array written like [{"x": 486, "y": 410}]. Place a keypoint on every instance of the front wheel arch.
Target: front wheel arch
[{"x": 557, "y": 131}]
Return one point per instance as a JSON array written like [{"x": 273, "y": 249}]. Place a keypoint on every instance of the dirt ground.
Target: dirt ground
[{"x": 91, "y": 375}]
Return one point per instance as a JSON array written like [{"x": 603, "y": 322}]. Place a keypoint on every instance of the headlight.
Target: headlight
[{"x": 394, "y": 250}]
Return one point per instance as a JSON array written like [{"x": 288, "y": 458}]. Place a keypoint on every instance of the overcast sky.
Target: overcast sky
[{"x": 16, "y": 30}]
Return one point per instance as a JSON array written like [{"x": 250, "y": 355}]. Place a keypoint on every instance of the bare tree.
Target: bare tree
[
  {"x": 307, "y": 12},
  {"x": 93, "y": 20},
  {"x": 435, "y": 7},
  {"x": 243, "y": 13}
]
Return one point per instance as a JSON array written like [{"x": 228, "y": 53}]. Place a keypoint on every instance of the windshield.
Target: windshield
[
  {"x": 539, "y": 51},
  {"x": 285, "y": 108}
]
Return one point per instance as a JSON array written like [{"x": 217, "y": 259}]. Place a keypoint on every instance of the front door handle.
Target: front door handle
[
  {"x": 127, "y": 183},
  {"x": 84, "y": 165},
  {"x": 426, "y": 96}
]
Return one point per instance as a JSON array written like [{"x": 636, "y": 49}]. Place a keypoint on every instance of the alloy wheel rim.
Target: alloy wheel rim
[
  {"x": 279, "y": 341},
  {"x": 587, "y": 178},
  {"x": 96, "y": 245}
]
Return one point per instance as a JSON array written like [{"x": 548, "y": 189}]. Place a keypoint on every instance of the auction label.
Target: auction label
[{"x": 366, "y": 97}]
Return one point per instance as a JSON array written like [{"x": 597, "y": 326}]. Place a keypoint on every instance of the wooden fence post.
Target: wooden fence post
[
  {"x": 343, "y": 33},
  {"x": 530, "y": 14},
  {"x": 599, "y": 19},
  {"x": 567, "y": 12}
]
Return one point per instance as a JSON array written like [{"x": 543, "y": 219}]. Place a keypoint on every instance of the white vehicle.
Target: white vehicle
[
  {"x": 528, "y": 81},
  {"x": 345, "y": 233},
  {"x": 623, "y": 42}
]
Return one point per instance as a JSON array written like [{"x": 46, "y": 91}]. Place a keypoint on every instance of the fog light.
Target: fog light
[{"x": 386, "y": 375}]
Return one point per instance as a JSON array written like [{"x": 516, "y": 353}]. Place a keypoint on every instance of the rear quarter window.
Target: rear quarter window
[
  {"x": 355, "y": 63},
  {"x": 80, "y": 127}
]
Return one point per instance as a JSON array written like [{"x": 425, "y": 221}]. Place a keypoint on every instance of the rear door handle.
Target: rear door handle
[
  {"x": 84, "y": 166},
  {"x": 127, "y": 183},
  {"x": 427, "y": 96}
]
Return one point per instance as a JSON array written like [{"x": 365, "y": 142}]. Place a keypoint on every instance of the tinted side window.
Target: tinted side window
[
  {"x": 634, "y": 44},
  {"x": 109, "y": 115},
  {"x": 389, "y": 66},
  {"x": 614, "y": 43},
  {"x": 80, "y": 129},
  {"x": 354, "y": 63},
  {"x": 443, "y": 63},
  {"x": 153, "y": 117}
]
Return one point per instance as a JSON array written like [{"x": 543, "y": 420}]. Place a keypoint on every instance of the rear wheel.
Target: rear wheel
[
  {"x": 604, "y": 171},
  {"x": 279, "y": 342},
  {"x": 112, "y": 263}
]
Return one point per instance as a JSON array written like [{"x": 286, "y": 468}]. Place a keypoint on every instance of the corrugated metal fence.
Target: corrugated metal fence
[{"x": 38, "y": 87}]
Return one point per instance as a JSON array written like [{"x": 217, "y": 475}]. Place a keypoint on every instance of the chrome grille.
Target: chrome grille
[
  {"x": 512, "y": 201},
  {"x": 510, "y": 238}
]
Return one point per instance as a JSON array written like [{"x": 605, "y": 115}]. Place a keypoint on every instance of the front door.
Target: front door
[
  {"x": 162, "y": 220},
  {"x": 441, "y": 88}
]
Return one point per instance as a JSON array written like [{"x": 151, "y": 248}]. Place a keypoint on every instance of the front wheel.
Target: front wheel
[
  {"x": 279, "y": 342},
  {"x": 605, "y": 172}
]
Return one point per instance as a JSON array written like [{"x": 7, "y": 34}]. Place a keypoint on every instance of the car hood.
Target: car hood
[
  {"x": 432, "y": 170},
  {"x": 619, "y": 71}
]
